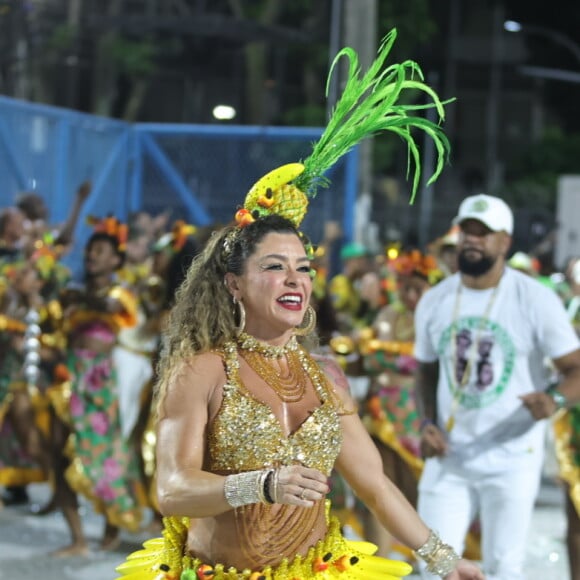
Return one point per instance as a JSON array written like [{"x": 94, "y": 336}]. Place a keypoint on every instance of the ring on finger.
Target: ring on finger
[{"x": 302, "y": 495}]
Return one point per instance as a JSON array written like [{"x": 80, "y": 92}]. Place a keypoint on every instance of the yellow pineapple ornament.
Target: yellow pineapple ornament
[{"x": 273, "y": 194}]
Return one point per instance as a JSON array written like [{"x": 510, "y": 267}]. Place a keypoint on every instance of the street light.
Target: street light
[{"x": 554, "y": 35}]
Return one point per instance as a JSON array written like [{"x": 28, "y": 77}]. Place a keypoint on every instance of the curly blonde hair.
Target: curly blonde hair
[{"x": 203, "y": 317}]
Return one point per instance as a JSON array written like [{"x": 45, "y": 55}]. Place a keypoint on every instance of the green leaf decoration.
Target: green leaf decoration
[{"x": 371, "y": 105}]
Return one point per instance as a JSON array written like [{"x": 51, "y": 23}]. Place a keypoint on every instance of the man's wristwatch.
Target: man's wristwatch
[{"x": 559, "y": 399}]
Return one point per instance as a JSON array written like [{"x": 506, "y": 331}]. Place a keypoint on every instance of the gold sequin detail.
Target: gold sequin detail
[{"x": 316, "y": 443}]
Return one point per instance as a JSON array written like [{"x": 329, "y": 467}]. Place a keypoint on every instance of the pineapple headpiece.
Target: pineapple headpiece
[{"x": 367, "y": 106}]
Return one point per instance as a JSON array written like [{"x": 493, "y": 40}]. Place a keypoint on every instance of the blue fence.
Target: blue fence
[{"x": 199, "y": 173}]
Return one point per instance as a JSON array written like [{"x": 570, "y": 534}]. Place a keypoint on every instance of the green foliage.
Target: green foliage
[
  {"x": 136, "y": 58},
  {"x": 532, "y": 178},
  {"x": 555, "y": 153},
  {"x": 412, "y": 20},
  {"x": 62, "y": 37}
]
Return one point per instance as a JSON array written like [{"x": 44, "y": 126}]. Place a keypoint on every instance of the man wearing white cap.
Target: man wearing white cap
[{"x": 483, "y": 440}]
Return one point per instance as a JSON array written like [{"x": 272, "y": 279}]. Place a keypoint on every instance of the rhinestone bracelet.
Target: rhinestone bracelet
[
  {"x": 244, "y": 488},
  {"x": 440, "y": 558}
]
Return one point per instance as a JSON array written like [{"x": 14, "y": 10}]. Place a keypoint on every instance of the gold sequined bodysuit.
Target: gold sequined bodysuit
[
  {"x": 316, "y": 443},
  {"x": 246, "y": 435}
]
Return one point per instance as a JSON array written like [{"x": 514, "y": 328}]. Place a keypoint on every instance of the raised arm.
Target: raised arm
[{"x": 66, "y": 233}]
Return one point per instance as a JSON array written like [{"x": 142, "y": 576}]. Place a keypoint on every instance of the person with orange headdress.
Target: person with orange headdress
[
  {"x": 249, "y": 423},
  {"x": 389, "y": 410},
  {"x": 97, "y": 460}
]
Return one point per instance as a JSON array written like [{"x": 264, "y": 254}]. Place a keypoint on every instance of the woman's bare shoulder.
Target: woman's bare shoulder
[{"x": 204, "y": 370}]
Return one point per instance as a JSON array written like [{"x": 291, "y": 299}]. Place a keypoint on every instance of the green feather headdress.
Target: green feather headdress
[{"x": 368, "y": 106}]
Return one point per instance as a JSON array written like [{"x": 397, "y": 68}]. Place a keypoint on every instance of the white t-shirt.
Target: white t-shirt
[{"x": 503, "y": 353}]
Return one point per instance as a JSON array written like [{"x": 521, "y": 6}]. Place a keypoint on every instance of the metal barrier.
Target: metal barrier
[{"x": 199, "y": 173}]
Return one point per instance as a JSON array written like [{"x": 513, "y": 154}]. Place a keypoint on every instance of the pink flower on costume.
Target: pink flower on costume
[
  {"x": 99, "y": 423},
  {"x": 97, "y": 376},
  {"x": 406, "y": 364},
  {"x": 104, "y": 491},
  {"x": 77, "y": 408},
  {"x": 111, "y": 468}
]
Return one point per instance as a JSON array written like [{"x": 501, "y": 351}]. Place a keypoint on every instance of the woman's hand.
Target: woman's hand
[
  {"x": 298, "y": 485},
  {"x": 465, "y": 570}
]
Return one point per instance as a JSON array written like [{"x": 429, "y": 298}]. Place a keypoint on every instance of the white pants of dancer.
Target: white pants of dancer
[
  {"x": 134, "y": 371},
  {"x": 450, "y": 499}
]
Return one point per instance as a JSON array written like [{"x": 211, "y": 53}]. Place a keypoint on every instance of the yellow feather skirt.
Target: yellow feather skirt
[{"x": 332, "y": 558}]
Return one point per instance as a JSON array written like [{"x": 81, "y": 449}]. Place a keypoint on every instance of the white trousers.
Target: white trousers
[
  {"x": 134, "y": 371},
  {"x": 451, "y": 497}
]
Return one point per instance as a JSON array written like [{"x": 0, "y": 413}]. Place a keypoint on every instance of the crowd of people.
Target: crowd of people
[{"x": 455, "y": 368}]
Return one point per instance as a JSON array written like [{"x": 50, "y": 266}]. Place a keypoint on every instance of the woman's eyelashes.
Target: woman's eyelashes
[
  {"x": 272, "y": 267},
  {"x": 303, "y": 269}
]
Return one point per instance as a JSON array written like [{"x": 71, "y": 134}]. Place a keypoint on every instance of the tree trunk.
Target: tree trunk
[
  {"x": 105, "y": 71},
  {"x": 135, "y": 100}
]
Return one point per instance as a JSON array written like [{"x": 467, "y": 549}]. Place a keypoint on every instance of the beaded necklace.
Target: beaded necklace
[
  {"x": 249, "y": 343},
  {"x": 289, "y": 384},
  {"x": 462, "y": 383}
]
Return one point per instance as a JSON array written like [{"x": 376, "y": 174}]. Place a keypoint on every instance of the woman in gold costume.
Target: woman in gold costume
[{"x": 249, "y": 425}]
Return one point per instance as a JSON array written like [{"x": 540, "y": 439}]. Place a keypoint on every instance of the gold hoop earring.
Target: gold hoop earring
[
  {"x": 308, "y": 323},
  {"x": 242, "y": 322}
]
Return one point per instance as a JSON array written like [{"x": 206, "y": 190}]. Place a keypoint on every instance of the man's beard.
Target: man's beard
[{"x": 474, "y": 268}]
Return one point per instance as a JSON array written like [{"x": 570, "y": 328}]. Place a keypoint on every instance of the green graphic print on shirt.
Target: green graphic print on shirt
[{"x": 484, "y": 350}]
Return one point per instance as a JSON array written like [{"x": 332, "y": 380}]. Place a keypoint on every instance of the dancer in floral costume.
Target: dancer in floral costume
[{"x": 98, "y": 461}]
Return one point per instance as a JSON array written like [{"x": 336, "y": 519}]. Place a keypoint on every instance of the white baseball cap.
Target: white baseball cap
[{"x": 491, "y": 211}]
